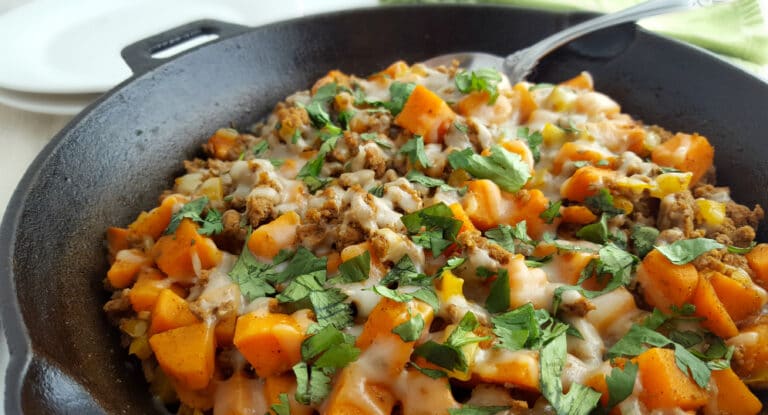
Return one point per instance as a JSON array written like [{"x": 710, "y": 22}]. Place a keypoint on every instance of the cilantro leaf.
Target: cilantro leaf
[
  {"x": 686, "y": 250},
  {"x": 596, "y": 232},
  {"x": 404, "y": 273},
  {"x": 690, "y": 364},
  {"x": 326, "y": 93},
  {"x": 602, "y": 202},
  {"x": 345, "y": 117},
  {"x": 282, "y": 408},
  {"x": 580, "y": 400},
  {"x": 212, "y": 224},
  {"x": 414, "y": 149},
  {"x": 551, "y": 212},
  {"x": 432, "y": 373},
  {"x": 399, "y": 93},
  {"x": 410, "y": 330},
  {"x": 428, "y": 296},
  {"x": 377, "y": 191},
  {"x": 620, "y": 383},
  {"x": 506, "y": 169},
  {"x": 741, "y": 251},
  {"x": 330, "y": 308},
  {"x": 313, "y": 384},
  {"x": 338, "y": 357},
  {"x": 643, "y": 238},
  {"x": 191, "y": 210},
  {"x": 425, "y": 294},
  {"x": 260, "y": 148},
  {"x": 534, "y": 140},
  {"x": 508, "y": 237},
  {"x": 355, "y": 269},
  {"x": 310, "y": 172},
  {"x": 434, "y": 227},
  {"x": 498, "y": 298},
  {"x": 477, "y": 410},
  {"x": 376, "y": 139},
  {"x": 485, "y": 79},
  {"x": 253, "y": 277},
  {"x": 449, "y": 355},
  {"x": 515, "y": 328},
  {"x": 317, "y": 114},
  {"x": 461, "y": 127},
  {"x": 416, "y": 176},
  {"x": 277, "y": 162}
]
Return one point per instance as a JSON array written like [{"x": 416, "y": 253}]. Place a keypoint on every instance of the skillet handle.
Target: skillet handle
[{"x": 139, "y": 55}]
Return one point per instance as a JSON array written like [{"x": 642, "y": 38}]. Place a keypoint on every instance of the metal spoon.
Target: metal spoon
[{"x": 519, "y": 64}]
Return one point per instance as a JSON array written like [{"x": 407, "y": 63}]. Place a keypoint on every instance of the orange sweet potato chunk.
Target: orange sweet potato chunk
[
  {"x": 270, "y": 342},
  {"x": 665, "y": 284},
  {"x": 268, "y": 239},
  {"x": 425, "y": 114},
  {"x": 685, "y": 152},
  {"x": 170, "y": 312},
  {"x": 186, "y": 354},
  {"x": 665, "y": 385},
  {"x": 709, "y": 306}
]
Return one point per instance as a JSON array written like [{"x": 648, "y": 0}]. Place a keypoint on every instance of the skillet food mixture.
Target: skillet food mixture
[{"x": 438, "y": 241}]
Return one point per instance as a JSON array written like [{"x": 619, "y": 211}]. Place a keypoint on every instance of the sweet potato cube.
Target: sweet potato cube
[
  {"x": 425, "y": 114},
  {"x": 270, "y": 342},
  {"x": 268, "y": 239},
  {"x": 126, "y": 267},
  {"x": 664, "y": 384},
  {"x": 685, "y": 152},
  {"x": 665, "y": 284},
  {"x": 186, "y": 354},
  {"x": 709, "y": 306},
  {"x": 170, "y": 312}
]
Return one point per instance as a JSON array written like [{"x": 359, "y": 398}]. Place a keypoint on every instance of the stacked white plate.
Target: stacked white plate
[{"x": 58, "y": 56}]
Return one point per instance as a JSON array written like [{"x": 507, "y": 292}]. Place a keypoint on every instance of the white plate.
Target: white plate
[
  {"x": 58, "y": 104},
  {"x": 73, "y": 47}
]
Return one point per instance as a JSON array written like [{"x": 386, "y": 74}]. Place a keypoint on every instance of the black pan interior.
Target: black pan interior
[{"x": 116, "y": 158}]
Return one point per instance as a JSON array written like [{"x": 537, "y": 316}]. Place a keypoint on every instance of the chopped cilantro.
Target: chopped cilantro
[
  {"x": 254, "y": 278},
  {"x": 404, "y": 273},
  {"x": 602, "y": 202},
  {"x": 317, "y": 114},
  {"x": 193, "y": 210},
  {"x": 508, "y": 237},
  {"x": 551, "y": 212},
  {"x": 326, "y": 93},
  {"x": 260, "y": 148},
  {"x": 541, "y": 86},
  {"x": 425, "y": 294},
  {"x": 313, "y": 384},
  {"x": 580, "y": 400},
  {"x": 414, "y": 149},
  {"x": 502, "y": 167},
  {"x": 686, "y": 250},
  {"x": 432, "y": 373},
  {"x": 416, "y": 176},
  {"x": 399, "y": 93},
  {"x": 345, "y": 117},
  {"x": 643, "y": 238},
  {"x": 277, "y": 162},
  {"x": 375, "y": 138},
  {"x": 620, "y": 383},
  {"x": 525, "y": 327},
  {"x": 485, "y": 79},
  {"x": 596, "y": 232},
  {"x": 461, "y": 127},
  {"x": 449, "y": 355},
  {"x": 498, "y": 298},
  {"x": 283, "y": 407},
  {"x": 741, "y": 251},
  {"x": 534, "y": 140},
  {"x": 433, "y": 227},
  {"x": 410, "y": 330},
  {"x": 355, "y": 269},
  {"x": 377, "y": 191}
]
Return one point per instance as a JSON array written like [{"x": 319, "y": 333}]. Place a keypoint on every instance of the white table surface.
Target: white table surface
[{"x": 22, "y": 136}]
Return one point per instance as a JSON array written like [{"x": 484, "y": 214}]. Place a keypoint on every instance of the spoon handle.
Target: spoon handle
[{"x": 520, "y": 63}]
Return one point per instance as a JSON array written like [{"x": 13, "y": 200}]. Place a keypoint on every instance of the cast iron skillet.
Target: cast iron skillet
[{"x": 116, "y": 157}]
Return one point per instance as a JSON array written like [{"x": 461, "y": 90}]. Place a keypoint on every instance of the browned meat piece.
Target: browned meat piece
[
  {"x": 677, "y": 211},
  {"x": 259, "y": 210}
]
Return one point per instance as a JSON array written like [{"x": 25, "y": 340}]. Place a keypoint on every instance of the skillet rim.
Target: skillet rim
[{"x": 20, "y": 348}]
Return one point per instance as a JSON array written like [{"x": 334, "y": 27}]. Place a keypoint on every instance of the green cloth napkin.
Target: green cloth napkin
[{"x": 735, "y": 30}]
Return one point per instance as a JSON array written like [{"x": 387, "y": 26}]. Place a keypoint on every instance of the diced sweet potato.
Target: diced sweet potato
[
  {"x": 117, "y": 240},
  {"x": 585, "y": 182},
  {"x": 354, "y": 394},
  {"x": 434, "y": 395},
  {"x": 270, "y": 342},
  {"x": 186, "y": 354},
  {"x": 145, "y": 291},
  {"x": 708, "y": 306},
  {"x": 578, "y": 215},
  {"x": 154, "y": 222},
  {"x": 378, "y": 270},
  {"x": 126, "y": 267},
  {"x": 241, "y": 395},
  {"x": 268, "y": 239},
  {"x": 665, "y": 284},
  {"x": 526, "y": 205},
  {"x": 526, "y": 103},
  {"x": 664, "y": 384},
  {"x": 740, "y": 300},
  {"x": 758, "y": 262},
  {"x": 477, "y": 104},
  {"x": 571, "y": 151},
  {"x": 733, "y": 397},
  {"x": 482, "y": 203},
  {"x": 519, "y": 368},
  {"x": 174, "y": 253},
  {"x": 225, "y": 330},
  {"x": 425, "y": 114},
  {"x": 460, "y": 214},
  {"x": 170, "y": 312},
  {"x": 685, "y": 152},
  {"x": 580, "y": 81}
]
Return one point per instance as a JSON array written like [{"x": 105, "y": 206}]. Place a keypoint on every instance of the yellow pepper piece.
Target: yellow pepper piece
[
  {"x": 668, "y": 183},
  {"x": 711, "y": 212},
  {"x": 449, "y": 286},
  {"x": 553, "y": 135},
  {"x": 212, "y": 188},
  {"x": 624, "y": 204},
  {"x": 633, "y": 185}
]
